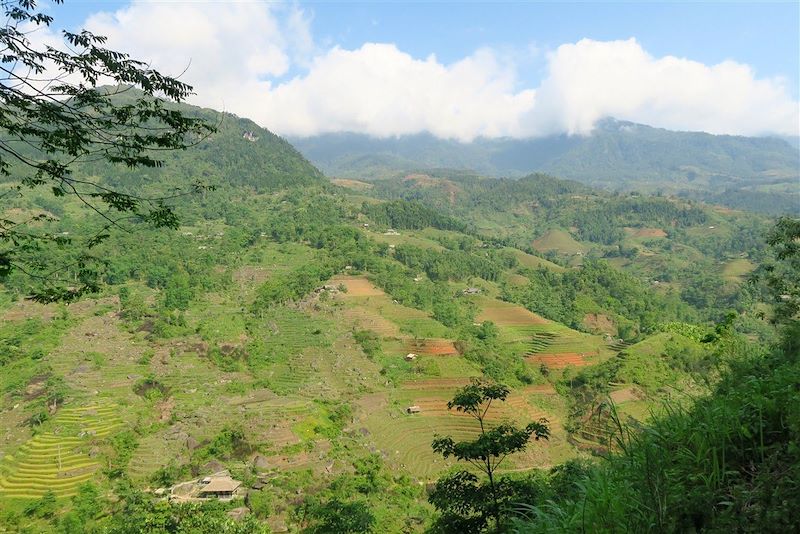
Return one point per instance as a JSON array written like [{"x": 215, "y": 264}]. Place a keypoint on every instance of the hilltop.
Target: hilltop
[{"x": 239, "y": 155}]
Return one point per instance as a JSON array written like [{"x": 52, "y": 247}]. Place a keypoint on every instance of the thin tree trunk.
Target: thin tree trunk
[{"x": 496, "y": 507}]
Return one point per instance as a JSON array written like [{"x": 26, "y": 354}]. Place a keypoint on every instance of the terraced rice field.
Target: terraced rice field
[
  {"x": 559, "y": 361},
  {"x": 406, "y": 439},
  {"x": 357, "y": 286},
  {"x": 516, "y": 407},
  {"x": 538, "y": 340},
  {"x": 380, "y": 311},
  {"x": 436, "y": 384},
  {"x": 290, "y": 376},
  {"x": 433, "y": 347},
  {"x": 61, "y": 459},
  {"x": 558, "y": 350},
  {"x": 366, "y": 319},
  {"x": 507, "y": 314},
  {"x": 154, "y": 452}
]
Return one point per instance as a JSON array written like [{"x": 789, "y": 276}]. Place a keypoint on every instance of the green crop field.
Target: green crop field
[
  {"x": 560, "y": 241},
  {"x": 736, "y": 270},
  {"x": 61, "y": 459}
]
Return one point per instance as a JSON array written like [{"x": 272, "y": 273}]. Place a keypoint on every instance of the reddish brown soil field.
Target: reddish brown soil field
[
  {"x": 432, "y": 347},
  {"x": 559, "y": 361},
  {"x": 648, "y": 232},
  {"x": 358, "y": 286}
]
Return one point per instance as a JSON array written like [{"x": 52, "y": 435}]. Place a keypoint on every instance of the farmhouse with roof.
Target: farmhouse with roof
[
  {"x": 219, "y": 486},
  {"x": 222, "y": 488}
]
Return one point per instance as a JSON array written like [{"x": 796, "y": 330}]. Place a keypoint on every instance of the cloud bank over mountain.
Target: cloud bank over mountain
[{"x": 262, "y": 61}]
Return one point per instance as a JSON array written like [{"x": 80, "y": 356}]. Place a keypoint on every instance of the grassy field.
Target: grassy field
[
  {"x": 560, "y": 241},
  {"x": 736, "y": 270},
  {"x": 534, "y": 262}
]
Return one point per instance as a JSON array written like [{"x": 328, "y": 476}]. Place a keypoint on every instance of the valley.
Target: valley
[{"x": 203, "y": 332}]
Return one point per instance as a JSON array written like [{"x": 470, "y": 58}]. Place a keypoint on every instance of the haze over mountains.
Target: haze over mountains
[{"x": 758, "y": 173}]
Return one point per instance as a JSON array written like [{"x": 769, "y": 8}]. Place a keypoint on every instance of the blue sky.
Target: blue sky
[
  {"x": 766, "y": 36},
  {"x": 511, "y": 49}
]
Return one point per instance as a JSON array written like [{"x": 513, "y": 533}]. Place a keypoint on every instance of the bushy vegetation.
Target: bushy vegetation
[
  {"x": 567, "y": 297},
  {"x": 409, "y": 215},
  {"x": 727, "y": 461}
]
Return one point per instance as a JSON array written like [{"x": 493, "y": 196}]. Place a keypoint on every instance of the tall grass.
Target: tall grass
[{"x": 728, "y": 462}]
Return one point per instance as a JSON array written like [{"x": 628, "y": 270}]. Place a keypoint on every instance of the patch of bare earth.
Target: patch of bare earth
[
  {"x": 27, "y": 309},
  {"x": 250, "y": 275},
  {"x": 164, "y": 409},
  {"x": 352, "y": 184},
  {"x": 559, "y": 361},
  {"x": 646, "y": 232},
  {"x": 432, "y": 347},
  {"x": 599, "y": 324},
  {"x": 627, "y": 394},
  {"x": 357, "y": 286}
]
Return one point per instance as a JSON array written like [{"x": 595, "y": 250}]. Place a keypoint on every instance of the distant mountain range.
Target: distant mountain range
[{"x": 757, "y": 173}]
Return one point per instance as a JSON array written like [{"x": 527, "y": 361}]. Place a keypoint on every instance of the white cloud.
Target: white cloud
[
  {"x": 589, "y": 80},
  {"x": 227, "y": 51},
  {"x": 241, "y": 53},
  {"x": 378, "y": 89}
]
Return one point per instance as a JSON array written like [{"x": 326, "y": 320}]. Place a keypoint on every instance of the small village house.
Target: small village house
[{"x": 222, "y": 488}]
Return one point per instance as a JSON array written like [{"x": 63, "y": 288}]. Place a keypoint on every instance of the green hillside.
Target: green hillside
[
  {"x": 240, "y": 154},
  {"x": 677, "y": 246},
  {"x": 306, "y": 337},
  {"x": 759, "y": 174}
]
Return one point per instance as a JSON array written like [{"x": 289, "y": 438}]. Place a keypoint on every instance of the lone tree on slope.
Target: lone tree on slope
[{"x": 468, "y": 504}]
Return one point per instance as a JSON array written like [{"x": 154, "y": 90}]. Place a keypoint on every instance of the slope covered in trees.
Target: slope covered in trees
[
  {"x": 760, "y": 174},
  {"x": 239, "y": 154}
]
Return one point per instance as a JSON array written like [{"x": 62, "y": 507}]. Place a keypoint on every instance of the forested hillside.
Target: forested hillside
[
  {"x": 239, "y": 154},
  {"x": 759, "y": 174}
]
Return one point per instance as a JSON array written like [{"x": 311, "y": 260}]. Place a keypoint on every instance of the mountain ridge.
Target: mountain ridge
[{"x": 760, "y": 173}]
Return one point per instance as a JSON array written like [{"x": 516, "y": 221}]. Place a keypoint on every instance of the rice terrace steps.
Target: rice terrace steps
[
  {"x": 61, "y": 459},
  {"x": 404, "y": 437},
  {"x": 432, "y": 347}
]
